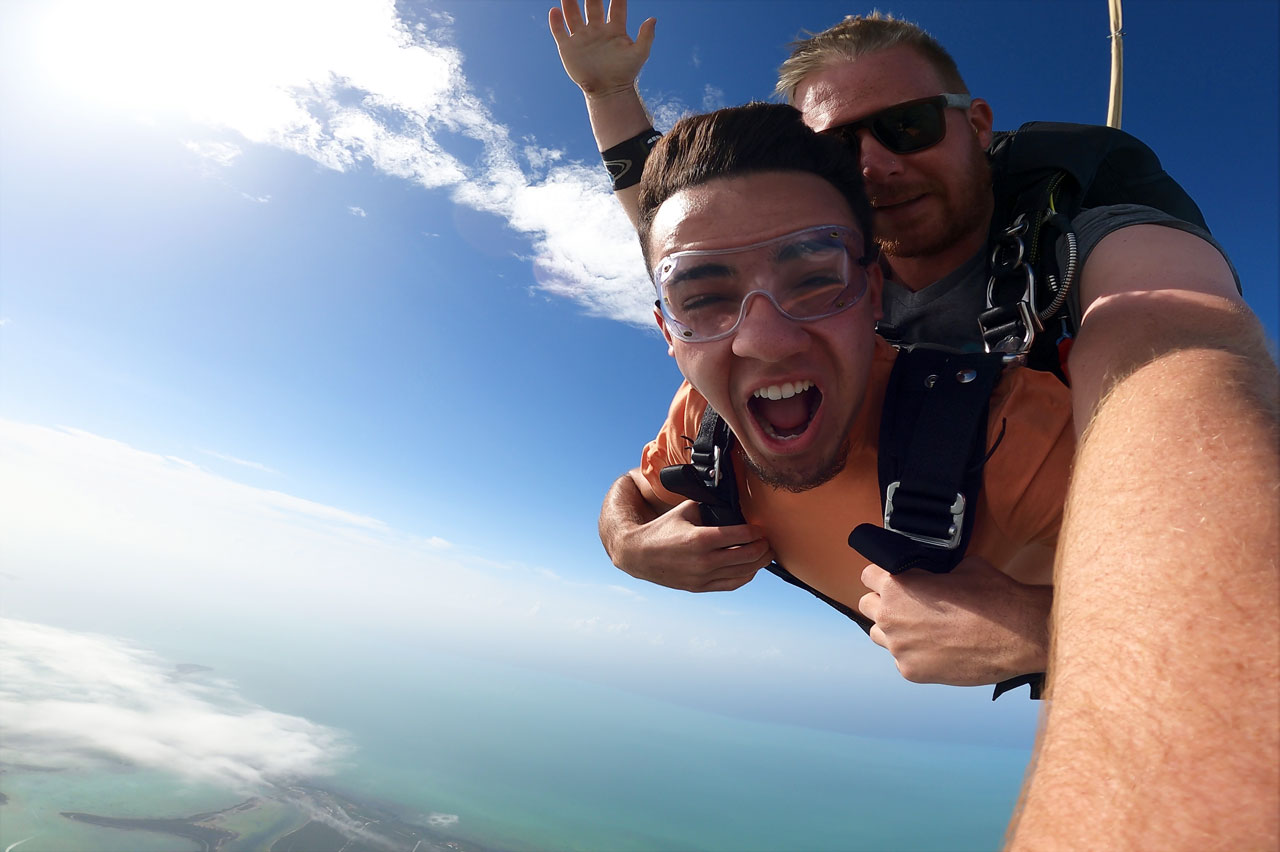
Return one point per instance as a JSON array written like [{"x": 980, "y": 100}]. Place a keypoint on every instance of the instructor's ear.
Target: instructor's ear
[{"x": 981, "y": 120}]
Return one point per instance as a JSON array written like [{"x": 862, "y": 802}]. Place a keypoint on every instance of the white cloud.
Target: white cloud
[
  {"x": 357, "y": 211},
  {"x": 667, "y": 111},
  {"x": 349, "y": 84},
  {"x": 712, "y": 98},
  {"x": 233, "y": 460},
  {"x": 71, "y": 699},
  {"x": 95, "y": 531},
  {"x": 219, "y": 153}
]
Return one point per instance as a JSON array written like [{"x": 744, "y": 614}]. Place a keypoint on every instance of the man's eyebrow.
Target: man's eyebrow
[{"x": 702, "y": 270}]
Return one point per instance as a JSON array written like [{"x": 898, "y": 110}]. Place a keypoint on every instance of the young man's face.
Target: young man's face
[
  {"x": 927, "y": 201},
  {"x": 814, "y": 370}
]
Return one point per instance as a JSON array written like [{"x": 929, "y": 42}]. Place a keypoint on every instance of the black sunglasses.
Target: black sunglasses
[{"x": 904, "y": 128}]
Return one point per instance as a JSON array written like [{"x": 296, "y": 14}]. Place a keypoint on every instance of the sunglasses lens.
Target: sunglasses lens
[{"x": 910, "y": 127}]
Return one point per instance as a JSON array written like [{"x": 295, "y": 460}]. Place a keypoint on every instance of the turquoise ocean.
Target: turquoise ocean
[{"x": 529, "y": 760}]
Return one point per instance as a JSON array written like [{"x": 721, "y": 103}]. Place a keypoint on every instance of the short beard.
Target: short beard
[
  {"x": 973, "y": 207},
  {"x": 799, "y": 483}
]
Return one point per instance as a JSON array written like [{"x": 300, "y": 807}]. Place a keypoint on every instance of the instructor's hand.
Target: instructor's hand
[
  {"x": 975, "y": 625},
  {"x": 595, "y": 49}
]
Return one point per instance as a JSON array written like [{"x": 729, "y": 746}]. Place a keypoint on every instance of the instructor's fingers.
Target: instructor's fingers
[
  {"x": 572, "y": 14},
  {"x": 874, "y": 577},
  {"x": 559, "y": 29},
  {"x": 594, "y": 10},
  {"x": 644, "y": 38},
  {"x": 869, "y": 605}
]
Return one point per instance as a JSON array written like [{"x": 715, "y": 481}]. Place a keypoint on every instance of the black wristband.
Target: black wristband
[{"x": 625, "y": 161}]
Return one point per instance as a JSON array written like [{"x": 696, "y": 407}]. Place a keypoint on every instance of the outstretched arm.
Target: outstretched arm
[
  {"x": 666, "y": 545},
  {"x": 604, "y": 61},
  {"x": 1163, "y": 730}
]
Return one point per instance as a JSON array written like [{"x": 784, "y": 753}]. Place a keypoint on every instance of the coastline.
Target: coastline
[{"x": 333, "y": 822}]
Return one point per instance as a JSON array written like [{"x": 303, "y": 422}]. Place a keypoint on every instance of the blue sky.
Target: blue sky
[{"x": 330, "y": 302}]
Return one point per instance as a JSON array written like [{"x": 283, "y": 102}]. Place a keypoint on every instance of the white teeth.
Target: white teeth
[{"x": 785, "y": 391}]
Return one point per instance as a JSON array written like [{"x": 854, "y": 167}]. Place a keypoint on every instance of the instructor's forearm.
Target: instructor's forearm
[
  {"x": 624, "y": 509},
  {"x": 1163, "y": 729},
  {"x": 616, "y": 117}
]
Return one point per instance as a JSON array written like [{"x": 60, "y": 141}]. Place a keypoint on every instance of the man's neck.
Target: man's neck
[{"x": 916, "y": 273}]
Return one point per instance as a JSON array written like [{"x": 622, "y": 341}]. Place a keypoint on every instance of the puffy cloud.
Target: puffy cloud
[
  {"x": 351, "y": 84},
  {"x": 71, "y": 699}
]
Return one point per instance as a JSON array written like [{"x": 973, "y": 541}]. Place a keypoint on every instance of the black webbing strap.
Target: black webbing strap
[
  {"x": 848, "y": 611},
  {"x": 709, "y": 479},
  {"x": 933, "y": 434},
  {"x": 1034, "y": 681}
]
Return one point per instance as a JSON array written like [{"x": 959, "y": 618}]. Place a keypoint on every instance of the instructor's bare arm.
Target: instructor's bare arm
[
  {"x": 604, "y": 61},
  {"x": 1163, "y": 730},
  {"x": 664, "y": 544}
]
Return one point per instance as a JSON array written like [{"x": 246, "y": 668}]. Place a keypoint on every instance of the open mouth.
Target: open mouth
[{"x": 785, "y": 411}]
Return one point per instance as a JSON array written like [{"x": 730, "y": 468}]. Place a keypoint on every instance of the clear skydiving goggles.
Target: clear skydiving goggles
[{"x": 808, "y": 275}]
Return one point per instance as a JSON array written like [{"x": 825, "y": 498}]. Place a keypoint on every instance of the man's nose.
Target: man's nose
[
  {"x": 877, "y": 161},
  {"x": 765, "y": 333}
]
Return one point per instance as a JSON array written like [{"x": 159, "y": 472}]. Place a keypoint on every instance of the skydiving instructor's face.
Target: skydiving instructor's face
[
  {"x": 789, "y": 389},
  {"x": 926, "y": 201}
]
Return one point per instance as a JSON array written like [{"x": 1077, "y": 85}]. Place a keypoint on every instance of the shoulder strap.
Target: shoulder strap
[
  {"x": 709, "y": 479},
  {"x": 1043, "y": 174},
  {"x": 933, "y": 433}
]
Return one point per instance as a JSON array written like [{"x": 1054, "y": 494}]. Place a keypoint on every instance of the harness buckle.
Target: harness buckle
[
  {"x": 948, "y": 542},
  {"x": 708, "y": 465},
  {"x": 1011, "y": 328}
]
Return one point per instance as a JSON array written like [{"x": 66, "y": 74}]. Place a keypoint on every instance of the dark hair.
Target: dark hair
[{"x": 758, "y": 137}]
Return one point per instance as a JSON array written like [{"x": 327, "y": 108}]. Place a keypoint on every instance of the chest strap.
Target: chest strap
[
  {"x": 932, "y": 447},
  {"x": 709, "y": 479}
]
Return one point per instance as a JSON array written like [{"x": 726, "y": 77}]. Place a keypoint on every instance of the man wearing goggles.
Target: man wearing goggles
[
  {"x": 807, "y": 275},
  {"x": 1166, "y": 354},
  {"x": 768, "y": 301}
]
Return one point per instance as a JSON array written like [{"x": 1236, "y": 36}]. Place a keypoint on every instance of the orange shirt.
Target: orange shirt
[{"x": 1024, "y": 486}]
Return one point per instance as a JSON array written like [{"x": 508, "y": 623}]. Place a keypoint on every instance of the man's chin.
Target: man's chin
[{"x": 798, "y": 476}]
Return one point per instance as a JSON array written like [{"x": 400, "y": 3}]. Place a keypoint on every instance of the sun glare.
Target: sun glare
[{"x": 138, "y": 56}]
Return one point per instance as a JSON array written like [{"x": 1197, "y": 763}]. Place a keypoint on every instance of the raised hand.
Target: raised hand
[{"x": 594, "y": 47}]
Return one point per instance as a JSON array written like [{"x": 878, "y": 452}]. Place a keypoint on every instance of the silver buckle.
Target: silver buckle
[
  {"x": 1012, "y": 348},
  {"x": 953, "y": 534}
]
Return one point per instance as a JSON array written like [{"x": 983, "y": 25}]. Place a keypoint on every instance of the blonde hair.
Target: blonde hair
[{"x": 858, "y": 35}]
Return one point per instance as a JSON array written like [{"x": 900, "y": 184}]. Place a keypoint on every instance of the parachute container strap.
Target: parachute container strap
[
  {"x": 849, "y": 612},
  {"x": 709, "y": 477},
  {"x": 932, "y": 449},
  {"x": 1035, "y": 682}
]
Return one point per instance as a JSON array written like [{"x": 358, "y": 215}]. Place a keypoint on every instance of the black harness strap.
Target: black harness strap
[
  {"x": 933, "y": 434},
  {"x": 709, "y": 479}
]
